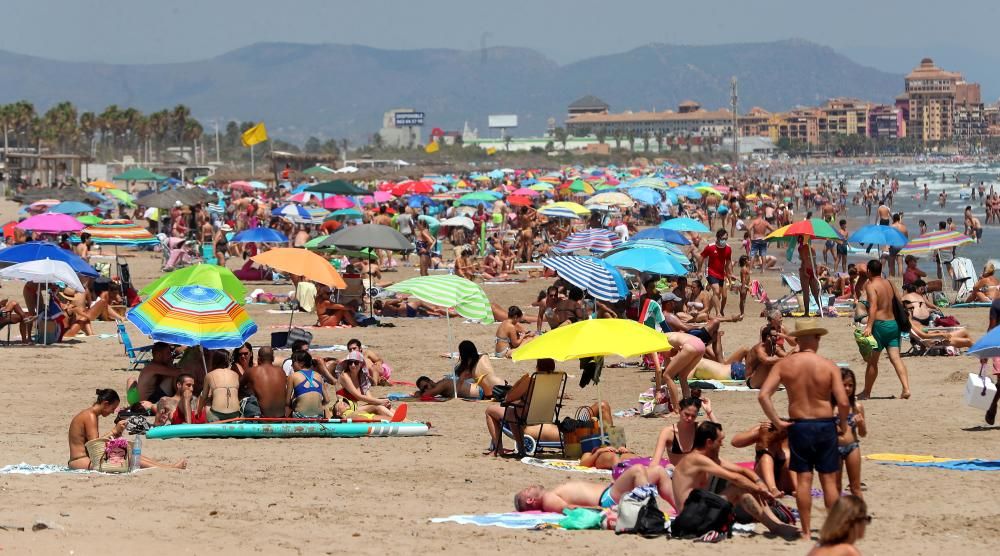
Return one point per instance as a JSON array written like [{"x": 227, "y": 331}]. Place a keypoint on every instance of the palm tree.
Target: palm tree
[
  {"x": 22, "y": 116},
  {"x": 630, "y": 137},
  {"x": 646, "y": 136},
  {"x": 659, "y": 136},
  {"x": 88, "y": 128},
  {"x": 601, "y": 135},
  {"x": 178, "y": 119},
  {"x": 617, "y": 134}
]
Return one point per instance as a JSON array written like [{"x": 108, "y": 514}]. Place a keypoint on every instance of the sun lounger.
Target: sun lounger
[{"x": 540, "y": 406}]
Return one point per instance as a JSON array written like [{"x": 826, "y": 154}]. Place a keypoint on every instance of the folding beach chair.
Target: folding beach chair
[
  {"x": 540, "y": 406},
  {"x": 964, "y": 277},
  {"x": 790, "y": 303},
  {"x": 136, "y": 355}
]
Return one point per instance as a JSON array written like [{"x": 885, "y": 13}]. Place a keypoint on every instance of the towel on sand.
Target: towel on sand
[
  {"x": 954, "y": 465},
  {"x": 906, "y": 458},
  {"x": 564, "y": 465},
  {"x": 510, "y": 520},
  {"x": 44, "y": 469}
]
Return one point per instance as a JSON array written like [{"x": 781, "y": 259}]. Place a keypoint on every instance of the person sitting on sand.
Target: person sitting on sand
[
  {"x": 490, "y": 267},
  {"x": 266, "y": 384},
  {"x": 221, "y": 406},
  {"x": 510, "y": 334},
  {"x": 678, "y": 440},
  {"x": 476, "y": 378},
  {"x": 156, "y": 379},
  {"x": 845, "y": 525},
  {"x": 12, "y": 313},
  {"x": 751, "y": 365},
  {"x": 464, "y": 265},
  {"x": 179, "y": 408},
  {"x": 987, "y": 288},
  {"x": 84, "y": 428},
  {"x": 356, "y": 382},
  {"x": 771, "y": 454},
  {"x": 704, "y": 468},
  {"x": 707, "y": 332},
  {"x": 307, "y": 393},
  {"x": 330, "y": 314},
  {"x": 580, "y": 494},
  {"x": 567, "y": 310},
  {"x": 378, "y": 369},
  {"x": 507, "y": 258},
  {"x": 81, "y": 316}
]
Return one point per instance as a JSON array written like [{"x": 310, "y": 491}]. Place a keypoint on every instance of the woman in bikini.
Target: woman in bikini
[
  {"x": 424, "y": 244},
  {"x": 510, "y": 334},
  {"x": 607, "y": 457},
  {"x": 476, "y": 378},
  {"x": 849, "y": 443},
  {"x": 771, "y": 455},
  {"x": 225, "y": 404},
  {"x": 330, "y": 314},
  {"x": 678, "y": 440}
]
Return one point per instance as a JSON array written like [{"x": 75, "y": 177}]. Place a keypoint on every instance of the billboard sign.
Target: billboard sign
[
  {"x": 409, "y": 119},
  {"x": 503, "y": 121}
]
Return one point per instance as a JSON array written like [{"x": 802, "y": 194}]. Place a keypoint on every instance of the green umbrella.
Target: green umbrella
[
  {"x": 89, "y": 219},
  {"x": 337, "y": 187},
  {"x": 317, "y": 170},
  {"x": 478, "y": 196},
  {"x": 139, "y": 174},
  {"x": 122, "y": 196},
  {"x": 433, "y": 224},
  {"x": 208, "y": 275},
  {"x": 344, "y": 213}
]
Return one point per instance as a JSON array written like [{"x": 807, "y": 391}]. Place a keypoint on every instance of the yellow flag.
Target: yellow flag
[
  {"x": 432, "y": 147},
  {"x": 491, "y": 151},
  {"x": 254, "y": 135}
]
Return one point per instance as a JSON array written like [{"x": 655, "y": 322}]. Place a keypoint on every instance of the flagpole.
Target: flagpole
[{"x": 251, "y": 162}]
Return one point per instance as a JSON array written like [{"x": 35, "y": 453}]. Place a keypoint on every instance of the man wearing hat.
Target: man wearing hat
[{"x": 810, "y": 381}]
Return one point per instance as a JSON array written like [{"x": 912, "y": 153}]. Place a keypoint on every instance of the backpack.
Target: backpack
[{"x": 703, "y": 511}]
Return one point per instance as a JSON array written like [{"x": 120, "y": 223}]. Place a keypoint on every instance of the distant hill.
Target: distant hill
[{"x": 332, "y": 90}]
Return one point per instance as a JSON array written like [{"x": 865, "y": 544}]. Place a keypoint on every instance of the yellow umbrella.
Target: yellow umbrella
[
  {"x": 565, "y": 208},
  {"x": 756, "y": 196},
  {"x": 611, "y": 198},
  {"x": 101, "y": 184},
  {"x": 594, "y": 338},
  {"x": 302, "y": 263}
]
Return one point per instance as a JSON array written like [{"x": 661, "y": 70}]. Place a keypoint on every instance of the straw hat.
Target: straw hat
[
  {"x": 67, "y": 293},
  {"x": 807, "y": 327}
]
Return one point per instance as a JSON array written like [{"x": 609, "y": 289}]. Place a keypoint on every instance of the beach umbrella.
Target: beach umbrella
[
  {"x": 433, "y": 224},
  {"x": 292, "y": 212},
  {"x": 647, "y": 259},
  {"x": 707, "y": 190},
  {"x": 758, "y": 197},
  {"x": 525, "y": 192},
  {"x": 933, "y": 241},
  {"x": 672, "y": 250},
  {"x": 193, "y": 316},
  {"x": 44, "y": 204},
  {"x": 611, "y": 198},
  {"x": 258, "y": 185},
  {"x": 89, "y": 219},
  {"x": 51, "y": 223},
  {"x": 102, "y": 184},
  {"x": 373, "y": 236},
  {"x": 317, "y": 170},
  {"x": 377, "y": 197},
  {"x": 684, "y": 224},
  {"x": 879, "y": 235},
  {"x": 302, "y": 262},
  {"x": 564, "y": 209},
  {"x": 542, "y": 187},
  {"x": 162, "y": 200},
  {"x": 594, "y": 276},
  {"x": 417, "y": 201},
  {"x": 120, "y": 232},
  {"x": 687, "y": 191},
  {"x": 597, "y": 240},
  {"x": 518, "y": 201},
  {"x": 43, "y": 271},
  {"x": 338, "y": 187},
  {"x": 71, "y": 207},
  {"x": 580, "y": 186},
  {"x": 260, "y": 235},
  {"x": 346, "y": 213},
  {"x": 662, "y": 234},
  {"x": 653, "y": 182},
  {"x": 240, "y": 184},
  {"x": 139, "y": 174},
  {"x": 814, "y": 228},
  {"x": 337, "y": 202},
  {"x": 41, "y": 250},
  {"x": 988, "y": 346},
  {"x": 124, "y": 197},
  {"x": 645, "y": 195},
  {"x": 459, "y": 221},
  {"x": 206, "y": 275}
]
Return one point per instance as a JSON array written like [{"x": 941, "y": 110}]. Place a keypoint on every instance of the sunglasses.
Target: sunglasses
[{"x": 244, "y": 354}]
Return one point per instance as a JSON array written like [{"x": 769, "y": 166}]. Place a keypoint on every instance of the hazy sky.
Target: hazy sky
[{"x": 133, "y": 31}]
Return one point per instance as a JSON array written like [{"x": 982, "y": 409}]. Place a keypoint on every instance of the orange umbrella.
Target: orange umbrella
[
  {"x": 101, "y": 184},
  {"x": 302, "y": 263}
]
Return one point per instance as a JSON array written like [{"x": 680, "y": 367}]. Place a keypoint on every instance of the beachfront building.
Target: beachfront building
[
  {"x": 690, "y": 123},
  {"x": 587, "y": 105},
  {"x": 942, "y": 106},
  {"x": 401, "y": 131},
  {"x": 886, "y": 122},
  {"x": 844, "y": 116}
]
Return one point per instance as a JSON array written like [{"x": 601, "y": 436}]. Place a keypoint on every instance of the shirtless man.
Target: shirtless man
[
  {"x": 266, "y": 382},
  {"x": 156, "y": 379},
  {"x": 84, "y": 428},
  {"x": 810, "y": 381},
  {"x": 759, "y": 228},
  {"x": 895, "y": 263},
  {"x": 704, "y": 468},
  {"x": 580, "y": 494},
  {"x": 882, "y": 326},
  {"x": 807, "y": 276}
]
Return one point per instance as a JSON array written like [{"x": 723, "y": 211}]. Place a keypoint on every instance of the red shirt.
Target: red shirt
[
  {"x": 717, "y": 260},
  {"x": 197, "y": 417}
]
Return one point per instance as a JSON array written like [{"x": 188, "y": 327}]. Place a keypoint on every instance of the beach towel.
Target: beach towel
[
  {"x": 454, "y": 355},
  {"x": 407, "y": 397},
  {"x": 312, "y": 348},
  {"x": 757, "y": 291},
  {"x": 954, "y": 465},
  {"x": 45, "y": 469},
  {"x": 278, "y": 311},
  {"x": 906, "y": 458},
  {"x": 503, "y": 282},
  {"x": 972, "y": 304},
  {"x": 510, "y": 520},
  {"x": 564, "y": 465}
]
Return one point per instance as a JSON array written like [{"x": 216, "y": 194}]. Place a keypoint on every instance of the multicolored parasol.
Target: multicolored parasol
[{"x": 193, "y": 316}]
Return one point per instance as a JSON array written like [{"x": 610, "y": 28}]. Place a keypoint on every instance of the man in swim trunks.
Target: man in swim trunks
[
  {"x": 759, "y": 228},
  {"x": 580, "y": 494},
  {"x": 266, "y": 382},
  {"x": 811, "y": 381},
  {"x": 883, "y": 327},
  {"x": 704, "y": 468}
]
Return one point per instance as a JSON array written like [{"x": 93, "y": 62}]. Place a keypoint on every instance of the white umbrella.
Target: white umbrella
[
  {"x": 43, "y": 271},
  {"x": 463, "y": 221}
]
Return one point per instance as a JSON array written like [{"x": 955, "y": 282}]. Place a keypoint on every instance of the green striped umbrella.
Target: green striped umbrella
[{"x": 453, "y": 292}]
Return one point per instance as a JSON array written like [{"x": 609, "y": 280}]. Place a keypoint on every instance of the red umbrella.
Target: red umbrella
[{"x": 518, "y": 201}]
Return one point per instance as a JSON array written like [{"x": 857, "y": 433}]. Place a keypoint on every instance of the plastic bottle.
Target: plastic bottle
[{"x": 136, "y": 453}]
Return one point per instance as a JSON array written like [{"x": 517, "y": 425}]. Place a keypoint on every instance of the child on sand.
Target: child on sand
[{"x": 848, "y": 444}]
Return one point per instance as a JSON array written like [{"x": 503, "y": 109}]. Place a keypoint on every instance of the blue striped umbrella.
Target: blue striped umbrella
[
  {"x": 594, "y": 276},
  {"x": 662, "y": 234},
  {"x": 597, "y": 240},
  {"x": 292, "y": 211},
  {"x": 685, "y": 224}
]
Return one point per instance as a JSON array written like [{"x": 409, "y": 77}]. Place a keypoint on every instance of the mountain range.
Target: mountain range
[{"x": 334, "y": 90}]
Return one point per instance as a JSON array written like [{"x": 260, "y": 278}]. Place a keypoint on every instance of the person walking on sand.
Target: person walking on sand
[
  {"x": 811, "y": 382},
  {"x": 883, "y": 327}
]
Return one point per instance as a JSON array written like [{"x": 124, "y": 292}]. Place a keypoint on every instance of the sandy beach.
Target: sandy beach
[{"x": 376, "y": 495}]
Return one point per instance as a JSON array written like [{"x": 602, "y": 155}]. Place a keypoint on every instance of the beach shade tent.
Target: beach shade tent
[
  {"x": 41, "y": 250},
  {"x": 139, "y": 174},
  {"x": 878, "y": 234},
  {"x": 369, "y": 236},
  {"x": 89, "y": 219},
  {"x": 933, "y": 241},
  {"x": 662, "y": 234},
  {"x": 51, "y": 223},
  {"x": 814, "y": 228},
  {"x": 450, "y": 292},
  {"x": 337, "y": 187},
  {"x": 594, "y": 338},
  {"x": 594, "y": 276},
  {"x": 44, "y": 271},
  {"x": 647, "y": 259},
  {"x": 193, "y": 316},
  {"x": 459, "y": 221},
  {"x": 162, "y": 200},
  {"x": 685, "y": 224},
  {"x": 71, "y": 207},
  {"x": 611, "y": 199},
  {"x": 337, "y": 202},
  {"x": 206, "y": 275},
  {"x": 597, "y": 240},
  {"x": 565, "y": 209},
  {"x": 37, "y": 194},
  {"x": 259, "y": 235}
]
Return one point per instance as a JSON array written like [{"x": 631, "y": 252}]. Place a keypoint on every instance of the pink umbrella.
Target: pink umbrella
[
  {"x": 241, "y": 185},
  {"x": 338, "y": 202},
  {"x": 525, "y": 192},
  {"x": 378, "y": 197},
  {"x": 51, "y": 223},
  {"x": 303, "y": 197}
]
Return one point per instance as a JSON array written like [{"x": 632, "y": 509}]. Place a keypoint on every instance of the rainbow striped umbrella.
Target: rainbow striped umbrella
[
  {"x": 932, "y": 241},
  {"x": 193, "y": 316},
  {"x": 814, "y": 228},
  {"x": 120, "y": 232}
]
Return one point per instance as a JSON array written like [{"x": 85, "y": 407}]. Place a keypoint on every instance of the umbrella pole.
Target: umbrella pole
[
  {"x": 371, "y": 298},
  {"x": 454, "y": 376},
  {"x": 600, "y": 411}
]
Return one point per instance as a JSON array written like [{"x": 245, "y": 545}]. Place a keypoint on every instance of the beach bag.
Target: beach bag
[
  {"x": 296, "y": 334},
  {"x": 900, "y": 314},
  {"x": 703, "y": 511},
  {"x": 979, "y": 390},
  {"x": 866, "y": 344},
  {"x": 109, "y": 455},
  {"x": 639, "y": 513},
  {"x": 947, "y": 322}
]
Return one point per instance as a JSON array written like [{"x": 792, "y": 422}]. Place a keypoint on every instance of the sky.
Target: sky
[{"x": 162, "y": 31}]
